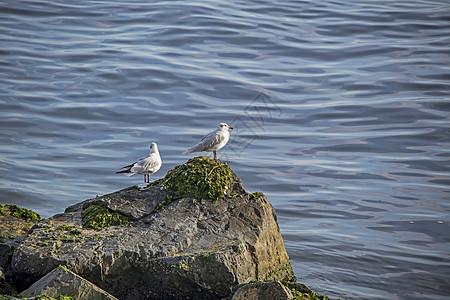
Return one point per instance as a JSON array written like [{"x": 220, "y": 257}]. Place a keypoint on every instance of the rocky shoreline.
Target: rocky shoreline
[{"x": 194, "y": 234}]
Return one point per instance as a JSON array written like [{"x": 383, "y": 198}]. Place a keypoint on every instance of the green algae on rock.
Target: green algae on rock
[
  {"x": 20, "y": 212},
  {"x": 98, "y": 217},
  {"x": 69, "y": 228},
  {"x": 255, "y": 195},
  {"x": 15, "y": 222},
  {"x": 199, "y": 177}
]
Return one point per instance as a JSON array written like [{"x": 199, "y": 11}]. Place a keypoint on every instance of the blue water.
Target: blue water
[{"x": 341, "y": 113}]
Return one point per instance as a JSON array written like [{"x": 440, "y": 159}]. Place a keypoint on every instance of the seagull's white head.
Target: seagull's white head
[
  {"x": 224, "y": 126},
  {"x": 153, "y": 147}
]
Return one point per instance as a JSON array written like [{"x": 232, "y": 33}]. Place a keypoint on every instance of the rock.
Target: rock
[
  {"x": 271, "y": 290},
  {"x": 6, "y": 253},
  {"x": 62, "y": 281},
  {"x": 6, "y": 250},
  {"x": 5, "y": 288},
  {"x": 15, "y": 222},
  {"x": 131, "y": 202},
  {"x": 194, "y": 234}
]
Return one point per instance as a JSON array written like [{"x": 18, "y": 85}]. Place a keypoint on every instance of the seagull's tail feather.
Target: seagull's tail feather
[
  {"x": 127, "y": 170},
  {"x": 123, "y": 171}
]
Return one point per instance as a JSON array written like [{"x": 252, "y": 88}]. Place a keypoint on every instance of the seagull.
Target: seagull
[
  {"x": 213, "y": 141},
  {"x": 145, "y": 165}
]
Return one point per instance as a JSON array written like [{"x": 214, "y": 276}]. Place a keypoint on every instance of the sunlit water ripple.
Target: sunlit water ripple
[{"x": 341, "y": 110}]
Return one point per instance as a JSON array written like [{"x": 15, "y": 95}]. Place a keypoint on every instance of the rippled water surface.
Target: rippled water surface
[{"x": 341, "y": 113}]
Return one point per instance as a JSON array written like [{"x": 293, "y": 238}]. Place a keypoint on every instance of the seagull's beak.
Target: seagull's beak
[{"x": 229, "y": 127}]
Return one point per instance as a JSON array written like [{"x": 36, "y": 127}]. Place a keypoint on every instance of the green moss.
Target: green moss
[
  {"x": 97, "y": 217},
  {"x": 60, "y": 297},
  {"x": 255, "y": 195},
  {"x": 282, "y": 272},
  {"x": 308, "y": 296},
  {"x": 2, "y": 212},
  {"x": 8, "y": 297},
  {"x": 22, "y": 213},
  {"x": 302, "y": 292},
  {"x": 69, "y": 228},
  {"x": 160, "y": 206},
  {"x": 2, "y": 238},
  {"x": 45, "y": 244},
  {"x": 199, "y": 177},
  {"x": 206, "y": 258},
  {"x": 184, "y": 266}
]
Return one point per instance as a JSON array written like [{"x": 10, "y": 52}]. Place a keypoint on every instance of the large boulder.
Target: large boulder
[
  {"x": 63, "y": 282},
  {"x": 194, "y": 234}
]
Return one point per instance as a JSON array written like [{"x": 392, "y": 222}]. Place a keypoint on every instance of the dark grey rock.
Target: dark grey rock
[
  {"x": 5, "y": 287},
  {"x": 192, "y": 249},
  {"x": 133, "y": 202},
  {"x": 62, "y": 281}
]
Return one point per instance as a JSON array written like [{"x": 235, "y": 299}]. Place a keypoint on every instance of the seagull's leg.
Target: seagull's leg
[
  {"x": 144, "y": 177},
  {"x": 215, "y": 156}
]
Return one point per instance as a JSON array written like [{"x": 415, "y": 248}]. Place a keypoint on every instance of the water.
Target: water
[{"x": 341, "y": 110}]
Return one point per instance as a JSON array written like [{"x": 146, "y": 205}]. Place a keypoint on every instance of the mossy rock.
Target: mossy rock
[
  {"x": 61, "y": 297},
  {"x": 303, "y": 292},
  {"x": 199, "y": 177},
  {"x": 19, "y": 212},
  {"x": 255, "y": 195},
  {"x": 98, "y": 217},
  {"x": 15, "y": 222},
  {"x": 70, "y": 229}
]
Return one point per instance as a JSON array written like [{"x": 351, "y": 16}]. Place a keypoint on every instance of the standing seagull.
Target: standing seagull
[
  {"x": 213, "y": 141},
  {"x": 145, "y": 165}
]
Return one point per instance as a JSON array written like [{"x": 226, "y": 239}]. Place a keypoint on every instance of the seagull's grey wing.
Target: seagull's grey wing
[
  {"x": 151, "y": 163},
  {"x": 138, "y": 166},
  {"x": 206, "y": 143}
]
